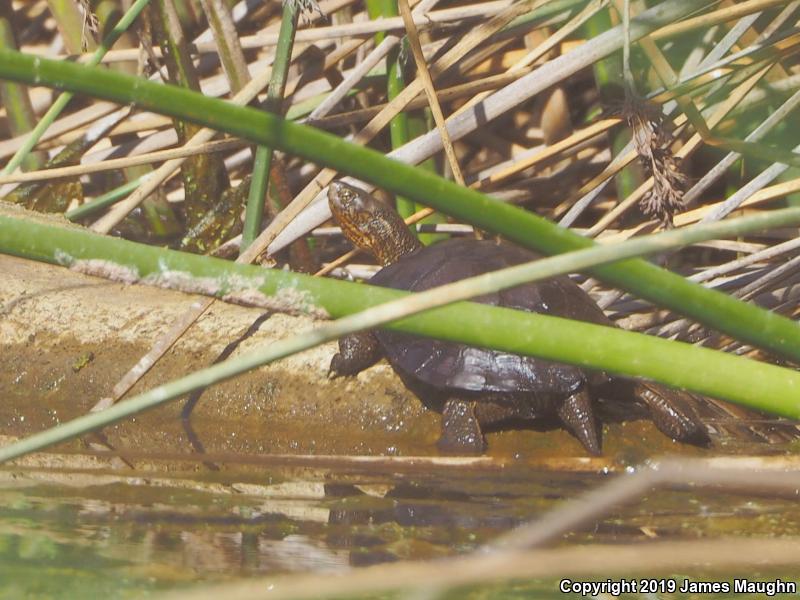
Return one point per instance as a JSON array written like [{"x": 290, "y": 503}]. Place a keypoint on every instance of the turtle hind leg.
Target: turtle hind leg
[
  {"x": 578, "y": 417},
  {"x": 461, "y": 431},
  {"x": 672, "y": 413},
  {"x": 357, "y": 351}
]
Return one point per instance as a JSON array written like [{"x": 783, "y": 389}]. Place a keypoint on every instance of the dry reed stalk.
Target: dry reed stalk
[
  {"x": 121, "y": 163},
  {"x": 380, "y": 121}
]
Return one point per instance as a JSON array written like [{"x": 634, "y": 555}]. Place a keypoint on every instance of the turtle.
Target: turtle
[{"x": 478, "y": 388}]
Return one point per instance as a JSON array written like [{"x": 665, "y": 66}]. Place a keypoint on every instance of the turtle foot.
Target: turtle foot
[
  {"x": 461, "y": 431},
  {"x": 577, "y": 416}
]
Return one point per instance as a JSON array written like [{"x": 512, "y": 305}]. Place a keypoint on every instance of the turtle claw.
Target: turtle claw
[
  {"x": 357, "y": 351},
  {"x": 335, "y": 368},
  {"x": 673, "y": 414},
  {"x": 461, "y": 431},
  {"x": 577, "y": 416}
]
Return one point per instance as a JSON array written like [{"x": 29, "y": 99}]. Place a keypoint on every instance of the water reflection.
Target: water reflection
[
  {"x": 170, "y": 533},
  {"x": 164, "y": 533}
]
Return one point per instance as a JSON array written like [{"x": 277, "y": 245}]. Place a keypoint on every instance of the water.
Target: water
[{"x": 68, "y": 532}]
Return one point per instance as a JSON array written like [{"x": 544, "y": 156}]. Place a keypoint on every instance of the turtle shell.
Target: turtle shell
[{"x": 452, "y": 366}]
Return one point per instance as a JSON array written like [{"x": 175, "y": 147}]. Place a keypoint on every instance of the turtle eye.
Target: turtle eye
[
  {"x": 340, "y": 196},
  {"x": 354, "y": 202}
]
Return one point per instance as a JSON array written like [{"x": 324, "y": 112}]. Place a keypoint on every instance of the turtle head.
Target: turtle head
[{"x": 370, "y": 224}]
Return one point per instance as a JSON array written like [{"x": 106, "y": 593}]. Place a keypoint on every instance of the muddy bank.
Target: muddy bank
[{"x": 68, "y": 338}]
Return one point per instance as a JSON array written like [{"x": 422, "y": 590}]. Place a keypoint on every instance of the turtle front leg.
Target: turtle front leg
[
  {"x": 357, "y": 352},
  {"x": 461, "y": 431},
  {"x": 577, "y": 416}
]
